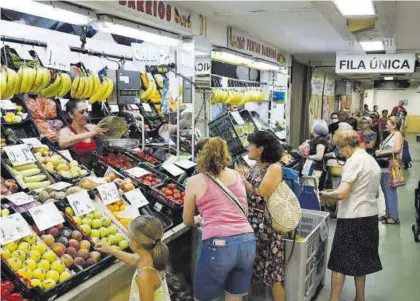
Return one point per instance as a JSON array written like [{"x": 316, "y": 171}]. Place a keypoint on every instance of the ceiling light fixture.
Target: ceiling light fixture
[
  {"x": 372, "y": 45},
  {"x": 355, "y": 7},
  {"x": 45, "y": 10},
  {"x": 230, "y": 58},
  {"x": 264, "y": 66},
  {"x": 388, "y": 78}
]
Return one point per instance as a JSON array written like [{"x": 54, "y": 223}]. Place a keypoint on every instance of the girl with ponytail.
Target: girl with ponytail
[{"x": 150, "y": 258}]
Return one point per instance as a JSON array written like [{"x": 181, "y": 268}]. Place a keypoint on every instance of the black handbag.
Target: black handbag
[{"x": 383, "y": 162}]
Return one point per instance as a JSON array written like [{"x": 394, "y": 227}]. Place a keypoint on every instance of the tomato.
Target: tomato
[
  {"x": 171, "y": 186},
  {"x": 176, "y": 190},
  {"x": 8, "y": 285},
  {"x": 164, "y": 189},
  {"x": 169, "y": 192},
  {"x": 15, "y": 297},
  {"x": 177, "y": 196},
  {"x": 147, "y": 183},
  {"x": 182, "y": 194},
  {"x": 158, "y": 181},
  {"x": 153, "y": 183},
  {"x": 149, "y": 178}
]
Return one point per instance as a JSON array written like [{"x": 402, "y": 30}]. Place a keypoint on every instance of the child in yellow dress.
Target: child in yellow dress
[{"x": 150, "y": 258}]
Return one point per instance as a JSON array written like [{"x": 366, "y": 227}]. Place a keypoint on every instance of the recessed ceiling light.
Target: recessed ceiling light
[
  {"x": 388, "y": 78},
  {"x": 372, "y": 45},
  {"x": 355, "y": 7}
]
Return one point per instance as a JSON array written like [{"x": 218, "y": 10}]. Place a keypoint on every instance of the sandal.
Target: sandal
[
  {"x": 390, "y": 221},
  {"x": 382, "y": 218}
]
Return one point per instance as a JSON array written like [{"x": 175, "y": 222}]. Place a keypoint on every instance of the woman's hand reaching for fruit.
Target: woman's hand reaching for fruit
[{"x": 104, "y": 248}]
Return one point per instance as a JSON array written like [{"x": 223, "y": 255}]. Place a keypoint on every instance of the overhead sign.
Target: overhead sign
[
  {"x": 202, "y": 66},
  {"x": 162, "y": 11},
  {"x": 242, "y": 42},
  {"x": 375, "y": 63}
]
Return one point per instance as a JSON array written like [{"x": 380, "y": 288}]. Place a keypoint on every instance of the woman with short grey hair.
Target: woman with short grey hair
[{"x": 369, "y": 136}]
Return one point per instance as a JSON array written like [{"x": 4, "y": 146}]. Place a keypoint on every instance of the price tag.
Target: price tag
[
  {"x": 59, "y": 186},
  {"x": 114, "y": 108},
  {"x": 32, "y": 142},
  {"x": 20, "y": 198},
  {"x": 323, "y": 231},
  {"x": 58, "y": 56},
  {"x": 129, "y": 212},
  {"x": 136, "y": 198},
  {"x": 6, "y": 104},
  {"x": 19, "y": 154},
  {"x": 109, "y": 193},
  {"x": 13, "y": 227},
  {"x": 66, "y": 154},
  {"x": 237, "y": 117},
  {"x": 137, "y": 172},
  {"x": 158, "y": 207},
  {"x": 173, "y": 170},
  {"x": 146, "y": 107},
  {"x": 46, "y": 216},
  {"x": 81, "y": 203},
  {"x": 186, "y": 164}
]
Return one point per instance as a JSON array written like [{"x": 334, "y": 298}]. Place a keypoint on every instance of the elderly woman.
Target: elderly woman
[
  {"x": 355, "y": 247},
  {"x": 319, "y": 145},
  {"x": 369, "y": 136}
]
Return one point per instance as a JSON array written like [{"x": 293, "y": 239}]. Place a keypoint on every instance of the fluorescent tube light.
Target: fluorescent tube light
[
  {"x": 230, "y": 58},
  {"x": 372, "y": 45},
  {"x": 264, "y": 66},
  {"x": 46, "y": 11},
  {"x": 355, "y": 7},
  {"x": 388, "y": 78},
  {"x": 135, "y": 33}
]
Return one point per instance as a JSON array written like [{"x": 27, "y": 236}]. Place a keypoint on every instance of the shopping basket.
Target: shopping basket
[{"x": 309, "y": 194}]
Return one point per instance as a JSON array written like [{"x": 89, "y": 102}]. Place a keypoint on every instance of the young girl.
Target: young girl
[{"x": 150, "y": 258}]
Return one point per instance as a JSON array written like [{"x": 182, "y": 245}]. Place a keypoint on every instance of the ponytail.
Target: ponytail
[{"x": 160, "y": 255}]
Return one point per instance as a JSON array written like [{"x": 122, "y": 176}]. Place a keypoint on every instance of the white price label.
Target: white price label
[
  {"x": 137, "y": 172},
  {"x": 81, "y": 203},
  {"x": 60, "y": 186},
  {"x": 46, "y": 216},
  {"x": 114, "y": 108},
  {"x": 109, "y": 193},
  {"x": 32, "y": 142},
  {"x": 20, "y": 198},
  {"x": 237, "y": 117},
  {"x": 173, "y": 170},
  {"x": 129, "y": 212},
  {"x": 146, "y": 107},
  {"x": 58, "y": 56},
  {"x": 6, "y": 104},
  {"x": 186, "y": 164},
  {"x": 136, "y": 198},
  {"x": 19, "y": 154},
  {"x": 13, "y": 227},
  {"x": 158, "y": 207},
  {"x": 66, "y": 154}
]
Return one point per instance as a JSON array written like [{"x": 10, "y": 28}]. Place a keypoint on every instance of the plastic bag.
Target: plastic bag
[
  {"x": 396, "y": 175},
  {"x": 304, "y": 149}
]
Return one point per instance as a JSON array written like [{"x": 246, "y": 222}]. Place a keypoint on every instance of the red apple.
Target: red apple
[{"x": 15, "y": 297}]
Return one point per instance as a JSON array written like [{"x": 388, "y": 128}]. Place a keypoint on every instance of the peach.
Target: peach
[
  {"x": 77, "y": 235},
  {"x": 48, "y": 239},
  {"x": 83, "y": 253},
  {"x": 54, "y": 232},
  {"x": 85, "y": 244},
  {"x": 79, "y": 261},
  {"x": 58, "y": 248},
  {"x": 67, "y": 260},
  {"x": 72, "y": 252},
  {"x": 96, "y": 255},
  {"x": 74, "y": 244},
  {"x": 90, "y": 261}
]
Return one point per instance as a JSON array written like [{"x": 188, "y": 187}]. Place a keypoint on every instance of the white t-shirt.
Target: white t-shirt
[{"x": 362, "y": 171}]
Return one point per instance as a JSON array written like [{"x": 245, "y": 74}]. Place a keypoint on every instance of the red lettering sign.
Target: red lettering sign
[
  {"x": 123, "y": 2},
  {"x": 140, "y": 6},
  {"x": 168, "y": 13},
  {"x": 132, "y": 4}
]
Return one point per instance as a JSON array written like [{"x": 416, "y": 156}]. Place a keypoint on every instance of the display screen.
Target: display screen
[{"x": 129, "y": 92}]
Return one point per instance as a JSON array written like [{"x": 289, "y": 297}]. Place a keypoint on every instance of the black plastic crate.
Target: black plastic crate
[
  {"x": 162, "y": 198},
  {"x": 157, "y": 174},
  {"x": 152, "y": 118},
  {"x": 247, "y": 117},
  {"x": 17, "y": 131},
  {"x": 7, "y": 175},
  {"x": 145, "y": 161}
]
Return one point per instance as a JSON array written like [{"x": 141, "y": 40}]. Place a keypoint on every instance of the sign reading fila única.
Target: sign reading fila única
[
  {"x": 376, "y": 63},
  {"x": 162, "y": 11},
  {"x": 244, "y": 43}
]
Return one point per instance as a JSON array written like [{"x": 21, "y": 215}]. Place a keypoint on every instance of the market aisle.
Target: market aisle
[{"x": 400, "y": 255}]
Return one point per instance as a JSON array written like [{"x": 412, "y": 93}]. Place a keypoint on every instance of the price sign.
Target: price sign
[
  {"x": 136, "y": 198},
  {"x": 66, "y": 154},
  {"x": 13, "y": 227},
  {"x": 81, "y": 203},
  {"x": 20, "y": 198},
  {"x": 186, "y": 164},
  {"x": 137, "y": 172},
  {"x": 109, "y": 193},
  {"x": 32, "y": 142},
  {"x": 60, "y": 186},
  {"x": 237, "y": 117},
  {"x": 173, "y": 170},
  {"x": 46, "y": 216},
  {"x": 158, "y": 207},
  {"x": 146, "y": 107},
  {"x": 19, "y": 154},
  {"x": 58, "y": 56},
  {"x": 6, "y": 104},
  {"x": 129, "y": 212}
]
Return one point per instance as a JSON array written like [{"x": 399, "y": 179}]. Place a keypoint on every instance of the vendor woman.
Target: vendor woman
[{"x": 78, "y": 136}]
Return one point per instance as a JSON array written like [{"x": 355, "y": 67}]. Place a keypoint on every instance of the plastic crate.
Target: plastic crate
[
  {"x": 305, "y": 272},
  {"x": 13, "y": 132},
  {"x": 145, "y": 161},
  {"x": 156, "y": 174}
]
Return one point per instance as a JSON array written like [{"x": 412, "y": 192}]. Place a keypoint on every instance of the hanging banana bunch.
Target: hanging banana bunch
[
  {"x": 103, "y": 90},
  {"x": 146, "y": 95},
  {"x": 9, "y": 83}
]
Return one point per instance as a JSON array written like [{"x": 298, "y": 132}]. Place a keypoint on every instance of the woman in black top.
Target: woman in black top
[{"x": 319, "y": 145}]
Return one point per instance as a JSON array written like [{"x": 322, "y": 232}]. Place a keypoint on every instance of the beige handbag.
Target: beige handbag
[{"x": 284, "y": 208}]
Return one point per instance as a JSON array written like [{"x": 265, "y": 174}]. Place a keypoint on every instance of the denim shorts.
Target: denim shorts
[{"x": 225, "y": 264}]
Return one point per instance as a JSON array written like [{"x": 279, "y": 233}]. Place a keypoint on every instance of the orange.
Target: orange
[
  {"x": 122, "y": 207},
  {"x": 118, "y": 203},
  {"x": 115, "y": 213}
]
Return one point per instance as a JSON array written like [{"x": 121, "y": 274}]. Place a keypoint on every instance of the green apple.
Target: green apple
[
  {"x": 87, "y": 221},
  {"x": 25, "y": 273},
  {"x": 95, "y": 233},
  {"x": 96, "y": 223},
  {"x": 39, "y": 246},
  {"x": 36, "y": 282},
  {"x": 29, "y": 264},
  {"x": 104, "y": 240},
  {"x": 19, "y": 254},
  {"x": 48, "y": 283},
  {"x": 38, "y": 274},
  {"x": 30, "y": 239},
  {"x": 15, "y": 263},
  {"x": 53, "y": 275},
  {"x": 96, "y": 214},
  {"x": 69, "y": 211},
  {"x": 24, "y": 247},
  {"x": 85, "y": 229},
  {"x": 104, "y": 232},
  {"x": 95, "y": 240},
  {"x": 112, "y": 229},
  {"x": 77, "y": 220},
  {"x": 5, "y": 253},
  {"x": 116, "y": 247},
  {"x": 11, "y": 246},
  {"x": 112, "y": 239},
  {"x": 43, "y": 264},
  {"x": 5, "y": 212},
  {"x": 64, "y": 276},
  {"x": 106, "y": 221},
  {"x": 33, "y": 254},
  {"x": 58, "y": 266},
  {"x": 89, "y": 215},
  {"x": 123, "y": 244},
  {"x": 50, "y": 256},
  {"x": 119, "y": 237}
]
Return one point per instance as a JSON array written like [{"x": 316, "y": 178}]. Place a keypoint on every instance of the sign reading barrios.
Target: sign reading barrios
[
  {"x": 242, "y": 42},
  {"x": 162, "y": 11},
  {"x": 376, "y": 63}
]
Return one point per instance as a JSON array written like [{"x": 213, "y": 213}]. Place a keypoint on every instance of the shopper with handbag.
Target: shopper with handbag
[
  {"x": 228, "y": 240},
  {"x": 355, "y": 247},
  {"x": 261, "y": 181},
  {"x": 389, "y": 150}
]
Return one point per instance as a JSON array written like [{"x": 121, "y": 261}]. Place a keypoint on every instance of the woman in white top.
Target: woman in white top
[
  {"x": 355, "y": 247},
  {"x": 393, "y": 144}
]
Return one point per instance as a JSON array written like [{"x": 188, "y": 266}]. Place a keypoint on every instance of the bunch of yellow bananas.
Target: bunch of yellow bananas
[
  {"x": 59, "y": 87},
  {"x": 90, "y": 86},
  {"x": 149, "y": 93}
]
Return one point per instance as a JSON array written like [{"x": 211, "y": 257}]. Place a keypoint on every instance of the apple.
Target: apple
[
  {"x": 48, "y": 239},
  {"x": 58, "y": 266},
  {"x": 69, "y": 211},
  {"x": 33, "y": 254},
  {"x": 36, "y": 282},
  {"x": 5, "y": 253},
  {"x": 12, "y": 246},
  {"x": 29, "y": 264},
  {"x": 24, "y": 273},
  {"x": 64, "y": 276},
  {"x": 106, "y": 222},
  {"x": 39, "y": 246},
  {"x": 119, "y": 237},
  {"x": 123, "y": 244},
  {"x": 95, "y": 233},
  {"x": 30, "y": 239},
  {"x": 112, "y": 229},
  {"x": 15, "y": 263},
  {"x": 15, "y": 297},
  {"x": 96, "y": 223},
  {"x": 50, "y": 256},
  {"x": 96, "y": 214},
  {"x": 67, "y": 260},
  {"x": 87, "y": 221},
  {"x": 77, "y": 235},
  {"x": 7, "y": 284},
  {"x": 77, "y": 220},
  {"x": 104, "y": 232},
  {"x": 19, "y": 254},
  {"x": 39, "y": 274},
  {"x": 48, "y": 283},
  {"x": 43, "y": 264},
  {"x": 53, "y": 275},
  {"x": 85, "y": 229}
]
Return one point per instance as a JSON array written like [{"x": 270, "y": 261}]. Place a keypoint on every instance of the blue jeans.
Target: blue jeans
[
  {"x": 391, "y": 197},
  {"x": 225, "y": 263}
]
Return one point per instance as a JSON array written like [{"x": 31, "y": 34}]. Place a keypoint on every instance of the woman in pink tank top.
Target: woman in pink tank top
[{"x": 228, "y": 247}]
